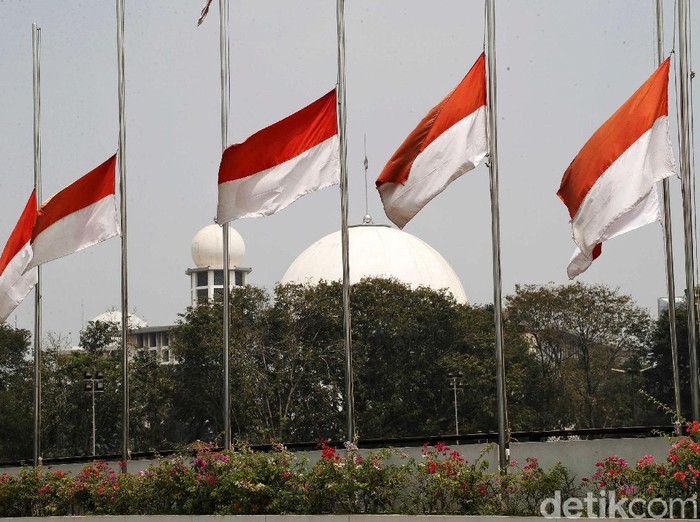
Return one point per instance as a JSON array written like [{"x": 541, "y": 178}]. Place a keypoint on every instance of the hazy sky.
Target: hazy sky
[{"x": 563, "y": 67}]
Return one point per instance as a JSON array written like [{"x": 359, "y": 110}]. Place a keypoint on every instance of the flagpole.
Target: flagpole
[
  {"x": 668, "y": 240},
  {"x": 503, "y": 443},
  {"x": 342, "y": 119},
  {"x": 36, "y": 55},
  {"x": 688, "y": 210},
  {"x": 122, "y": 201},
  {"x": 225, "y": 93}
]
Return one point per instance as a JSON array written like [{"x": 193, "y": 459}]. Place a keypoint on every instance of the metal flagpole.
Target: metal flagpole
[
  {"x": 688, "y": 210},
  {"x": 225, "y": 93},
  {"x": 668, "y": 240},
  {"x": 342, "y": 118},
  {"x": 36, "y": 55},
  {"x": 503, "y": 442},
  {"x": 122, "y": 201}
]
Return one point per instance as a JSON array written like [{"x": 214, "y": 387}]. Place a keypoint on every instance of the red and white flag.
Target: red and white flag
[
  {"x": 449, "y": 141},
  {"x": 81, "y": 215},
  {"x": 280, "y": 163},
  {"x": 610, "y": 187},
  {"x": 15, "y": 283}
]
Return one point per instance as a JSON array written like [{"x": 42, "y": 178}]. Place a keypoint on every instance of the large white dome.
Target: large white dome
[
  {"x": 115, "y": 316},
  {"x": 376, "y": 251},
  {"x": 208, "y": 247}
]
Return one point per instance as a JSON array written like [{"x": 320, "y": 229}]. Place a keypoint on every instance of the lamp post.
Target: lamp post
[
  {"x": 455, "y": 380},
  {"x": 93, "y": 385}
]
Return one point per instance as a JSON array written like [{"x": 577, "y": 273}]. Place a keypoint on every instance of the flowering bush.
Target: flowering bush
[
  {"x": 35, "y": 492},
  {"x": 444, "y": 482},
  {"x": 522, "y": 490},
  {"x": 203, "y": 481},
  {"x": 348, "y": 482}
]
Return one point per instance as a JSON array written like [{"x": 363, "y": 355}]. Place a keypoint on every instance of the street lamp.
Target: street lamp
[
  {"x": 93, "y": 385},
  {"x": 455, "y": 380}
]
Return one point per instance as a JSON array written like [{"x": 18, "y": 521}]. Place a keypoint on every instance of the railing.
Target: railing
[{"x": 464, "y": 438}]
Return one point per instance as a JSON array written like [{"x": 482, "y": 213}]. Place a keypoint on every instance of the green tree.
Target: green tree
[
  {"x": 288, "y": 364},
  {"x": 578, "y": 333},
  {"x": 151, "y": 387},
  {"x": 16, "y": 394},
  {"x": 98, "y": 335},
  {"x": 283, "y": 386},
  {"x": 658, "y": 380},
  {"x": 67, "y": 407}
]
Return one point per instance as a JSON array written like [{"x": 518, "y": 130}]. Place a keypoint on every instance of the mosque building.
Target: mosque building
[{"x": 375, "y": 250}]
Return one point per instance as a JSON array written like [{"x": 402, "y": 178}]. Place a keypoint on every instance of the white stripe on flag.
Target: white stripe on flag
[{"x": 78, "y": 230}]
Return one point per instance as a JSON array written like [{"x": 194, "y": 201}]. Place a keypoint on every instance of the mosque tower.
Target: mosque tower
[{"x": 207, "y": 279}]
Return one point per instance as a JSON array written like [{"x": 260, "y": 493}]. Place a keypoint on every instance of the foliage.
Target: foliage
[
  {"x": 15, "y": 393},
  {"x": 445, "y": 483},
  {"x": 658, "y": 380},
  {"x": 577, "y": 334},
  {"x": 201, "y": 481},
  {"x": 352, "y": 482},
  {"x": 522, "y": 490},
  {"x": 99, "y": 335},
  {"x": 67, "y": 407},
  {"x": 287, "y": 373}
]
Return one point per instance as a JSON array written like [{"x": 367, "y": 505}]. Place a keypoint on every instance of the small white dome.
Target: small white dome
[
  {"x": 208, "y": 247},
  {"x": 376, "y": 251},
  {"x": 115, "y": 316}
]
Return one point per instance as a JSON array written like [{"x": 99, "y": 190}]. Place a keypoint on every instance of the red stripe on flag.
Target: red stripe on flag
[
  {"x": 91, "y": 188},
  {"x": 21, "y": 234},
  {"x": 607, "y": 144},
  {"x": 466, "y": 98},
  {"x": 281, "y": 141}
]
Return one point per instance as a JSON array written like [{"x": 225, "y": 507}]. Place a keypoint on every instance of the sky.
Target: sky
[{"x": 563, "y": 67}]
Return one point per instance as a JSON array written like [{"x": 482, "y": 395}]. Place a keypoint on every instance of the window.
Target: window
[
  {"x": 202, "y": 279},
  {"x": 152, "y": 341},
  {"x": 165, "y": 339},
  {"x": 240, "y": 280},
  {"x": 165, "y": 356},
  {"x": 218, "y": 277},
  {"x": 219, "y": 294}
]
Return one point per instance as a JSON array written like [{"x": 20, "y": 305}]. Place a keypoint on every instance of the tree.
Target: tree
[
  {"x": 578, "y": 333},
  {"x": 151, "y": 385},
  {"x": 658, "y": 380},
  {"x": 288, "y": 364},
  {"x": 98, "y": 335},
  {"x": 283, "y": 386},
  {"x": 16, "y": 395},
  {"x": 67, "y": 407}
]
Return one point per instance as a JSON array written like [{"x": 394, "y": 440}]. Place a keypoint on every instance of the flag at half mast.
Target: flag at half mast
[
  {"x": 278, "y": 164},
  {"x": 449, "y": 141},
  {"x": 15, "y": 283},
  {"x": 81, "y": 215},
  {"x": 610, "y": 186}
]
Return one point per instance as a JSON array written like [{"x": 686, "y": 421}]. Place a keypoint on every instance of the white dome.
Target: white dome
[
  {"x": 208, "y": 247},
  {"x": 376, "y": 251},
  {"x": 115, "y": 316}
]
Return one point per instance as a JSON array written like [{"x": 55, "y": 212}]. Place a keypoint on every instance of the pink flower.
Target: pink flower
[
  {"x": 646, "y": 460},
  {"x": 692, "y": 428}
]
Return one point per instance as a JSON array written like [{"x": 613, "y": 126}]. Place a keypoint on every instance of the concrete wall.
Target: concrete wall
[{"x": 579, "y": 456}]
